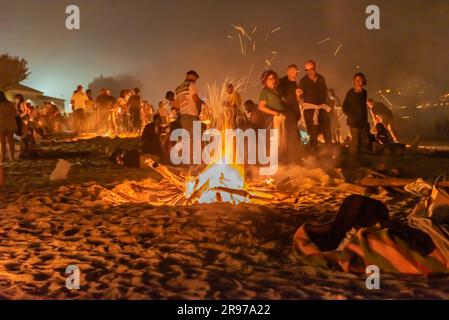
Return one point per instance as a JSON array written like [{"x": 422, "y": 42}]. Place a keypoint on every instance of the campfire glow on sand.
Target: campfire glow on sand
[{"x": 214, "y": 183}]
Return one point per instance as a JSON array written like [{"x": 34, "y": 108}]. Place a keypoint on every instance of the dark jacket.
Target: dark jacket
[
  {"x": 356, "y": 109},
  {"x": 314, "y": 92},
  {"x": 287, "y": 89}
]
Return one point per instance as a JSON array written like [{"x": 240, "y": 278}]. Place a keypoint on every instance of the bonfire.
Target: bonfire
[{"x": 221, "y": 181}]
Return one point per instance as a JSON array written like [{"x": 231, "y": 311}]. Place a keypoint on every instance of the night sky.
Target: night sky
[{"x": 158, "y": 41}]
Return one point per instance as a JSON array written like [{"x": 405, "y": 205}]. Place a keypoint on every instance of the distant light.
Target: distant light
[
  {"x": 406, "y": 117},
  {"x": 388, "y": 91}
]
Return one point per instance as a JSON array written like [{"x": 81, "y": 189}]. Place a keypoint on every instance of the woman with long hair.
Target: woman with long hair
[
  {"x": 271, "y": 104},
  {"x": 8, "y": 126}
]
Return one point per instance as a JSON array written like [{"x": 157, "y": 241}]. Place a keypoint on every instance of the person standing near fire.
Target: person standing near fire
[
  {"x": 134, "y": 107},
  {"x": 233, "y": 115},
  {"x": 313, "y": 90},
  {"x": 188, "y": 102},
  {"x": 119, "y": 111},
  {"x": 90, "y": 112},
  {"x": 78, "y": 102},
  {"x": 288, "y": 88},
  {"x": 105, "y": 104},
  {"x": 271, "y": 104},
  {"x": 8, "y": 126},
  {"x": 355, "y": 108}
]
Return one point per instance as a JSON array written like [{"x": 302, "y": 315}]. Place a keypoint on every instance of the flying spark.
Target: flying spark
[
  {"x": 338, "y": 49},
  {"x": 239, "y": 28},
  {"x": 241, "y": 45},
  {"x": 323, "y": 41},
  {"x": 388, "y": 101}
]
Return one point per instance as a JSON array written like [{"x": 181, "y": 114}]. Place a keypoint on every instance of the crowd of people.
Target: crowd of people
[
  {"x": 285, "y": 103},
  {"x": 25, "y": 123},
  {"x": 128, "y": 113}
]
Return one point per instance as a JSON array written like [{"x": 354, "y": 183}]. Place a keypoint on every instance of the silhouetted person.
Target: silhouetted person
[
  {"x": 232, "y": 112},
  {"x": 134, "y": 107},
  {"x": 355, "y": 108},
  {"x": 105, "y": 104},
  {"x": 150, "y": 142},
  {"x": 288, "y": 88},
  {"x": 8, "y": 126},
  {"x": 379, "y": 110}
]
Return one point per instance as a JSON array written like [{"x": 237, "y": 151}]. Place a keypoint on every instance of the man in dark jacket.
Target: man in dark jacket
[
  {"x": 313, "y": 90},
  {"x": 288, "y": 88}
]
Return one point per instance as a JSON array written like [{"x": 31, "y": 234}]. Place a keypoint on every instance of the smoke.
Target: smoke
[{"x": 114, "y": 83}]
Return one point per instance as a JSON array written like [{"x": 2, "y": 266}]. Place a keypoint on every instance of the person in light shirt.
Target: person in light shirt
[
  {"x": 188, "y": 102},
  {"x": 78, "y": 101}
]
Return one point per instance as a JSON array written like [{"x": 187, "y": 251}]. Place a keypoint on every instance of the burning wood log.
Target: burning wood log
[
  {"x": 167, "y": 174},
  {"x": 246, "y": 194},
  {"x": 384, "y": 182}
]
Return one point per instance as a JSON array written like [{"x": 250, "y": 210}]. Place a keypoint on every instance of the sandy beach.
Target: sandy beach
[{"x": 137, "y": 250}]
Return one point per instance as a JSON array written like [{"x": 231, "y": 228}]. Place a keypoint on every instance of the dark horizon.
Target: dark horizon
[{"x": 158, "y": 42}]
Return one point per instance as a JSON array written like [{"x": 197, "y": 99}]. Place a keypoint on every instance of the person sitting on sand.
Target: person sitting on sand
[
  {"x": 150, "y": 141},
  {"x": 166, "y": 107}
]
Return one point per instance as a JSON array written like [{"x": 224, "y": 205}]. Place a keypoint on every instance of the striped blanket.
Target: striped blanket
[
  {"x": 390, "y": 249},
  {"x": 371, "y": 246}
]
